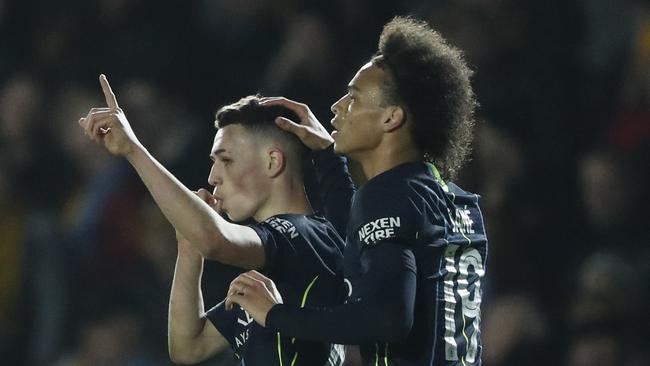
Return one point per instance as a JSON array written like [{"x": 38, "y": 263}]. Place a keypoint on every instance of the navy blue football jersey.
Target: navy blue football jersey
[
  {"x": 303, "y": 258},
  {"x": 439, "y": 230},
  {"x": 414, "y": 259}
]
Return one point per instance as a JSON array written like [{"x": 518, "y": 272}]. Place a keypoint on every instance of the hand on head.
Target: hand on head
[
  {"x": 309, "y": 130},
  {"x": 108, "y": 125}
]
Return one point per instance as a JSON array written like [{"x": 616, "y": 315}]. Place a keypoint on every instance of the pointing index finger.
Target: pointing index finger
[{"x": 111, "y": 101}]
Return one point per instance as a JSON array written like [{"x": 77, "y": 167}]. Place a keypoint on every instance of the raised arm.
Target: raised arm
[
  {"x": 335, "y": 184},
  {"x": 207, "y": 231},
  {"x": 191, "y": 338},
  {"x": 389, "y": 288}
]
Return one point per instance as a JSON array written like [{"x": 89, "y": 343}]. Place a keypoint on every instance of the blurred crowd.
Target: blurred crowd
[{"x": 560, "y": 159}]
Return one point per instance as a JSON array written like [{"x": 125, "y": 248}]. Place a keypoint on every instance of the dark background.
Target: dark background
[{"x": 561, "y": 160}]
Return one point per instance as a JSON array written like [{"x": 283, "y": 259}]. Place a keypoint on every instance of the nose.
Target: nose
[
  {"x": 214, "y": 179},
  {"x": 336, "y": 107}
]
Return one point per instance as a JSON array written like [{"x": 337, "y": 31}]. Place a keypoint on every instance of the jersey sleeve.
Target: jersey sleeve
[
  {"x": 275, "y": 243},
  {"x": 223, "y": 320},
  {"x": 392, "y": 291},
  {"x": 386, "y": 215},
  {"x": 287, "y": 251},
  {"x": 335, "y": 186}
]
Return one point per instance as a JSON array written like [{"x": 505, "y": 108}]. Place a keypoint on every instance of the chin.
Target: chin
[
  {"x": 343, "y": 150},
  {"x": 239, "y": 217},
  {"x": 338, "y": 148},
  {"x": 234, "y": 217}
]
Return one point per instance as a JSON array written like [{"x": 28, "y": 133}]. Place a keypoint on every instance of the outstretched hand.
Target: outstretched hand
[
  {"x": 255, "y": 293},
  {"x": 309, "y": 130},
  {"x": 108, "y": 125}
]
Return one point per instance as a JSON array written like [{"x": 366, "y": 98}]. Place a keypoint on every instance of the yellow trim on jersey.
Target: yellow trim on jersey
[
  {"x": 462, "y": 358},
  {"x": 279, "y": 349},
  {"x": 436, "y": 174},
  {"x": 304, "y": 296},
  {"x": 302, "y": 305},
  {"x": 376, "y": 354},
  {"x": 386, "y": 355}
]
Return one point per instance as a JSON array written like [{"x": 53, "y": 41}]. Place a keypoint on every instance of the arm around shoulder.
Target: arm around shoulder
[{"x": 390, "y": 290}]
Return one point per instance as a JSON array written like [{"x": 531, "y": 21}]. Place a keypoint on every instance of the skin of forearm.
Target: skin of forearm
[
  {"x": 186, "y": 309},
  {"x": 192, "y": 217}
]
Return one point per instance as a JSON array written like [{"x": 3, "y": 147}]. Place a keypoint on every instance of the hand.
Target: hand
[
  {"x": 208, "y": 198},
  {"x": 109, "y": 125},
  {"x": 255, "y": 293},
  {"x": 309, "y": 130}
]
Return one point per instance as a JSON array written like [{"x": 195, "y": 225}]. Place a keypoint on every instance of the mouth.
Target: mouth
[
  {"x": 335, "y": 131},
  {"x": 218, "y": 200},
  {"x": 218, "y": 206}
]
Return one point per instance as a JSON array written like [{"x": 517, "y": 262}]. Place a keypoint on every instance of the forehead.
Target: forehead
[
  {"x": 369, "y": 78},
  {"x": 231, "y": 138}
]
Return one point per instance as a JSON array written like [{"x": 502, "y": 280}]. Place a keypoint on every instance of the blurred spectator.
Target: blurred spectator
[
  {"x": 515, "y": 332},
  {"x": 12, "y": 232},
  {"x": 606, "y": 190},
  {"x": 608, "y": 291},
  {"x": 606, "y": 317},
  {"x": 631, "y": 127},
  {"x": 112, "y": 338},
  {"x": 560, "y": 161},
  {"x": 597, "y": 349}
]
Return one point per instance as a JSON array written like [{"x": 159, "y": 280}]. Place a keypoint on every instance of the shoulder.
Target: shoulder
[
  {"x": 297, "y": 225},
  {"x": 405, "y": 189},
  {"x": 397, "y": 204},
  {"x": 281, "y": 224},
  {"x": 299, "y": 230},
  {"x": 459, "y": 194},
  {"x": 467, "y": 216}
]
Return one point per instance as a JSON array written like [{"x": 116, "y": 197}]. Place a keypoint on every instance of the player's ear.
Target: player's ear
[
  {"x": 274, "y": 162},
  {"x": 393, "y": 118}
]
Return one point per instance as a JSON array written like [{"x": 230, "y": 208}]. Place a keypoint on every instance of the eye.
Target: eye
[
  {"x": 351, "y": 100},
  {"x": 225, "y": 161}
]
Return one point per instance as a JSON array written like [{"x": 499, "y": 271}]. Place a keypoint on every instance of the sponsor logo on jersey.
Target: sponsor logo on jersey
[
  {"x": 379, "y": 229},
  {"x": 283, "y": 226}
]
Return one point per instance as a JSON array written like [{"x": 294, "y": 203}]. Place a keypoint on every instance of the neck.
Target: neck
[
  {"x": 384, "y": 158},
  {"x": 286, "y": 197}
]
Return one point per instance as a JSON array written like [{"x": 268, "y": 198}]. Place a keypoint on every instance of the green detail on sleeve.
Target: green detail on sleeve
[{"x": 436, "y": 174}]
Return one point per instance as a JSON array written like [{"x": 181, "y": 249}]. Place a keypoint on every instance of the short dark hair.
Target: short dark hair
[
  {"x": 260, "y": 120},
  {"x": 430, "y": 79}
]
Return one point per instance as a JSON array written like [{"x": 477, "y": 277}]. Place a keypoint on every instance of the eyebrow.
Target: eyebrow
[
  {"x": 353, "y": 87},
  {"x": 217, "y": 153}
]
